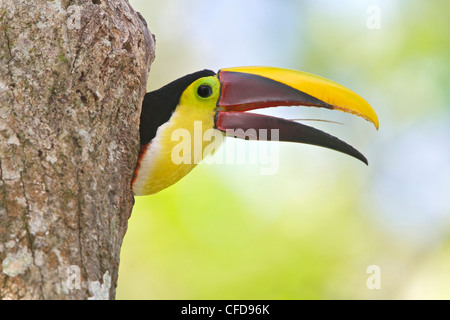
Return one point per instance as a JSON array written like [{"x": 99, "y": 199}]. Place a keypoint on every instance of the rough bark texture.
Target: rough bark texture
[{"x": 72, "y": 78}]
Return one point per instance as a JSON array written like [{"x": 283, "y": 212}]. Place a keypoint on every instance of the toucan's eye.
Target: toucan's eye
[{"x": 204, "y": 91}]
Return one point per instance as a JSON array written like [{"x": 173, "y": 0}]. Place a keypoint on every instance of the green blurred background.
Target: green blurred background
[{"x": 311, "y": 230}]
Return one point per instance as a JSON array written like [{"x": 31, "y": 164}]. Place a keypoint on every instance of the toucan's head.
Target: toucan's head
[{"x": 178, "y": 120}]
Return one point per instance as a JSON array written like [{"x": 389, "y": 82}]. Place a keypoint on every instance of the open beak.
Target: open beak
[{"x": 249, "y": 88}]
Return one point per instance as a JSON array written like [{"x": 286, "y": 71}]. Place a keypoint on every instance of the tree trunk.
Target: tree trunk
[{"x": 73, "y": 74}]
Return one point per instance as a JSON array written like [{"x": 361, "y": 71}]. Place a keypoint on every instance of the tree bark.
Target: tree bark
[{"x": 73, "y": 74}]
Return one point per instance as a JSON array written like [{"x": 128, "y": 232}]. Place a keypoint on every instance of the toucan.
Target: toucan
[{"x": 219, "y": 103}]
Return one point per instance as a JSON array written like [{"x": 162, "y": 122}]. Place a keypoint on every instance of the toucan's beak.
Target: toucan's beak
[{"x": 248, "y": 88}]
